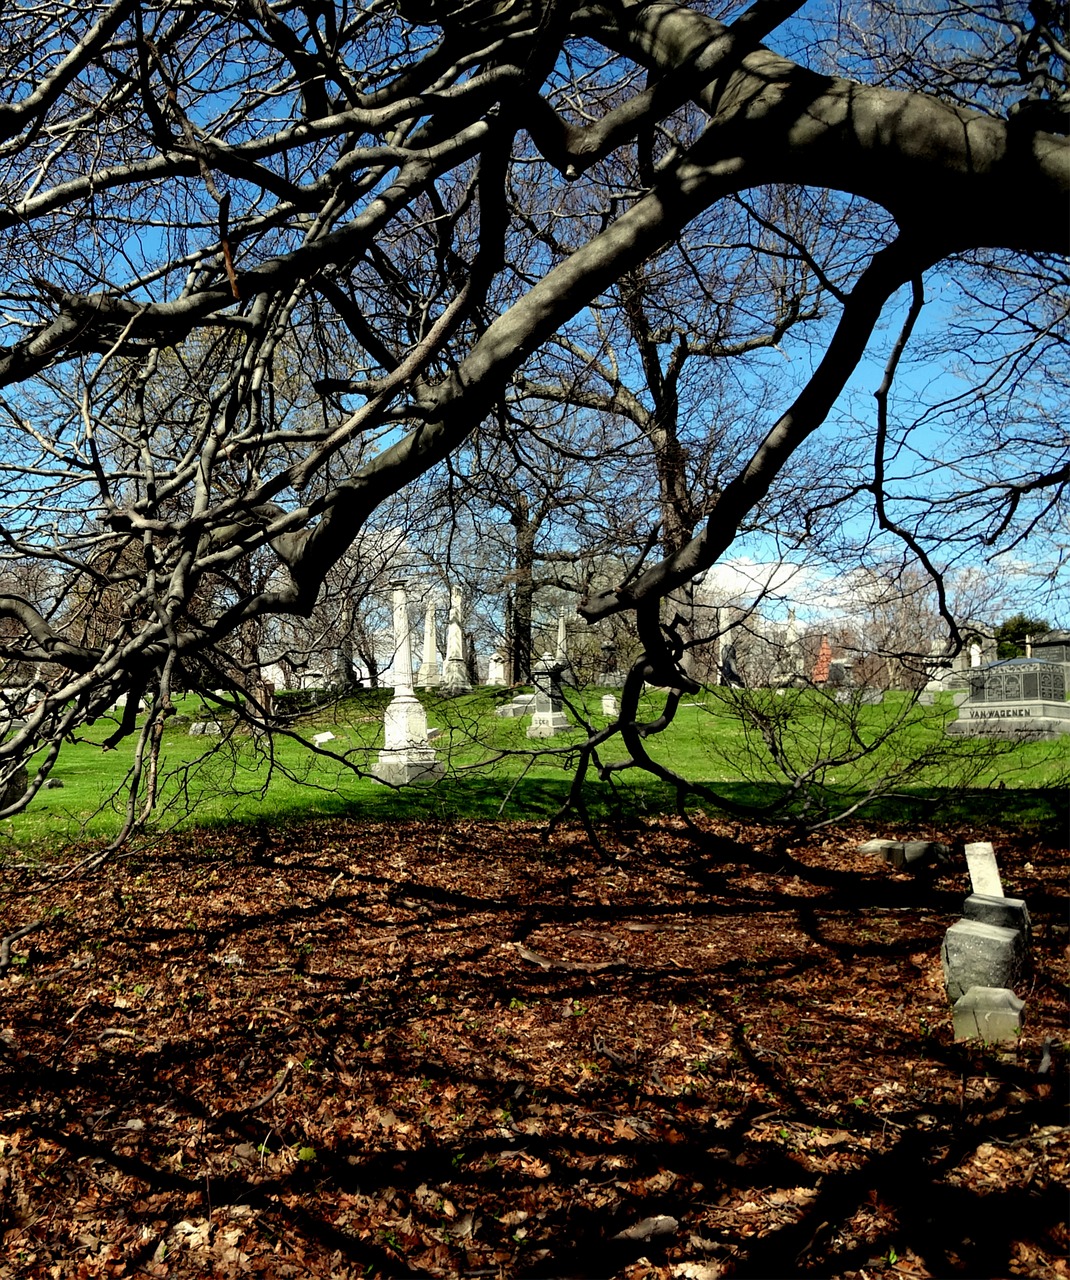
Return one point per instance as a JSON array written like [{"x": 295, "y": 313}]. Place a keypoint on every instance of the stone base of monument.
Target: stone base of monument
[
  {"x": 1025, "y": 718},
  {"x": 1006, "y": 913},
  {"x": 980, "y": 955},
  {"x": 545, "y": 724},
  {"x": 406, "y": 756},
  {"x": 991, "y": 1014},
  {"x": 407, "y": 766}
]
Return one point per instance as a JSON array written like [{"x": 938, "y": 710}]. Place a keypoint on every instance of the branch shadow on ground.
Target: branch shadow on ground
[{"x": 429, "y": 1066}]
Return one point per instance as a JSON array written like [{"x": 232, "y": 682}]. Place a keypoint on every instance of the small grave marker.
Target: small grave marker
[{"x": 984, "y": 873}]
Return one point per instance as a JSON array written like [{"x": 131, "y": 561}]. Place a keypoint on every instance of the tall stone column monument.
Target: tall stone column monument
[
  {"x": 407, "y": 755},
  {"x": 429, "y": 675},
  {"x": 455, "y": 670}
]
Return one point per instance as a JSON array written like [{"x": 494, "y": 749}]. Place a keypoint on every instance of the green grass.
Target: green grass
[{"x": 496, "y": 771}]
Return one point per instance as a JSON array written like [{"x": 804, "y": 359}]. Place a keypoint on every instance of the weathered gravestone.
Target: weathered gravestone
[
  {"x": 455, "y": 670},
  {"x": 548, "y": 719},
  {"x": 984, "y": 871},
  {"x": 15, "y": 787},
  {"x": 992, "y": 1014},
  {"x": 980, "y": 955},
  {"x": 610, "y": 705},
  {"x": 1007, "y": 913}
]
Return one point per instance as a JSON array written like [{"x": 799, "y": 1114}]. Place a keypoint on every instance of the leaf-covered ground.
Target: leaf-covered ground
[{"x": 344, "y": 1050}]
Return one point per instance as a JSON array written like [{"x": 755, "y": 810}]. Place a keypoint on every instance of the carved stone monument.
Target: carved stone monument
[
  {"x": 455, "y": 671},
  {"x": 429, "y": 676},
  {"x": 407, "y": 755},
  {"x": 1023, "y": 697},
  {"x": 548, "y": 719}
]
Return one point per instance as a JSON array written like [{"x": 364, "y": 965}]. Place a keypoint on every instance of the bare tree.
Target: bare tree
[{"x": 266, "y": 266}]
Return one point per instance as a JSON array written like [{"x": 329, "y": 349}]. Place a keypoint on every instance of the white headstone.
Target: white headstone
[{"x": 984, "y": 873}]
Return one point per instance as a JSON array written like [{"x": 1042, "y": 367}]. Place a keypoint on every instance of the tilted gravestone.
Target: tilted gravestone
[
  {"x": 980, "y": 955},
  {"x": 984, "y": 871}
]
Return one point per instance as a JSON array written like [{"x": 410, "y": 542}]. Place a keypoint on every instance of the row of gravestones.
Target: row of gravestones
[
  {"x": 984, "y": 954},
  {"x": 545, "y": 704}
]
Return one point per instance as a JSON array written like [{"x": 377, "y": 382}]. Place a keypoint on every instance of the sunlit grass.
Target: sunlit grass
[{"x": 494, "y": 770}]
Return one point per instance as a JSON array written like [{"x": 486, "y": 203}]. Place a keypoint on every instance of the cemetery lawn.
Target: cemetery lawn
[
  {"x": 496, "y": 772},
  {"x": 338, "y": 1050}
]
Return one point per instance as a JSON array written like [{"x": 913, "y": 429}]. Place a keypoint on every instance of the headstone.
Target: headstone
[
  {"x": 841, "y": 673},
  {"x": 321, "y": 739},
  {"x": 548, "y": 719},
  {"x": 407, "y": 755},
  {"x": 429, "y": 674},
  {"x": 1020, "y": 698},
  {"x": 1008, "y": 913},
  {"x": 984, "y": 873},
  {"x": 496, "y": 673},
  {"x": 455, "y": 670},
  {"x": 980, "y": 955},
  {"x": 992, "y": 1014},
  {"x": 610, "y": 705}
]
